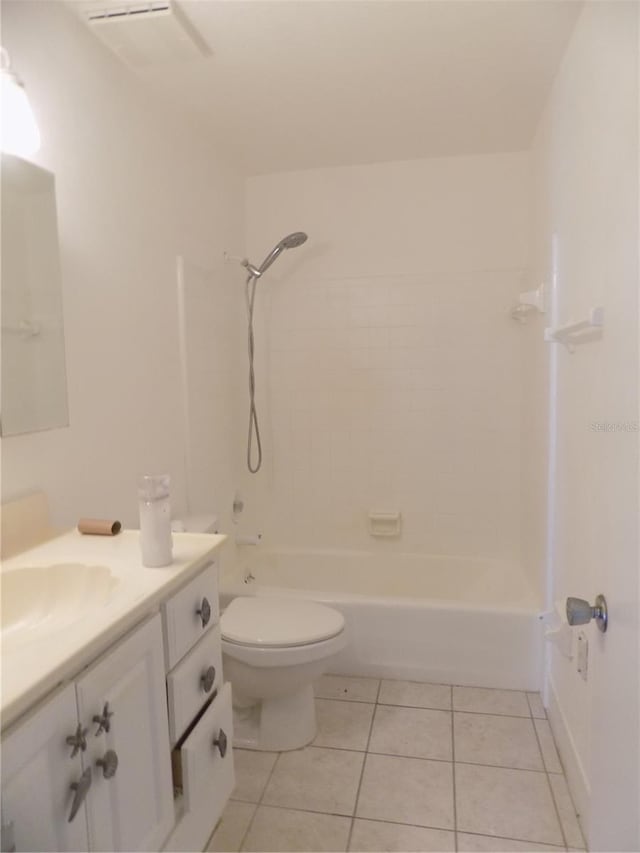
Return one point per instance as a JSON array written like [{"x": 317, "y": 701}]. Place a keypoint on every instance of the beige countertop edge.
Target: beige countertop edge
[{"x": 68, "y": 669}]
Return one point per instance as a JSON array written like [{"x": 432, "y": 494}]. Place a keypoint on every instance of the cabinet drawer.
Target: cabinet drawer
[
  {"x": 187, "y": 687},
  {"x": 190, "y": 613},
  {"x": 207, "y": 775}
]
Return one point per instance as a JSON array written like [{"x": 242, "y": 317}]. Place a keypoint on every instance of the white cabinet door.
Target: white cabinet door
[
  {"x": 37, "y": 774},
  {"x": 131, "y": 808}
]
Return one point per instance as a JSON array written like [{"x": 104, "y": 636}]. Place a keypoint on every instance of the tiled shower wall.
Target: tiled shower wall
[{"x": 389, "y": 364}]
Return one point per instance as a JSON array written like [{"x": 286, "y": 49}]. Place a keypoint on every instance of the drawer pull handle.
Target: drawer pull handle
[
  {"x": 221, "y": 743},
  {"x": 81, "y": 788},
  {"x": 109, "y": 764},
  {"x": 103, "y": 720},
  {"x": 207, "y": 679},
  {"x": 78, "y": 741},
  {"x": 204, "y": 612}
]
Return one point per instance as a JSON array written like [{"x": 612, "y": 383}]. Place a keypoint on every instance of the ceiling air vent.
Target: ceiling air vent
[{"x": 145, "y": 33}]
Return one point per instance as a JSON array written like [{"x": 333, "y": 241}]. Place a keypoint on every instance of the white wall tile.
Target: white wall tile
[{"x": 406, "y": 367}]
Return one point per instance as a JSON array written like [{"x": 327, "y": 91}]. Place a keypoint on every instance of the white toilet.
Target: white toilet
[{"x": 273, "y": 650}]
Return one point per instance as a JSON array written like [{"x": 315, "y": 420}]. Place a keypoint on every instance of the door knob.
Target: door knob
[{"x": 579, "y": 612}]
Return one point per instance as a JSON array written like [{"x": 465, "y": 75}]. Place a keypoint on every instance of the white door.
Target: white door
[
  {"x": 594, "y": 202},
  {"x": 131, "y": 802},
  {"x": 38, "y": 770}
]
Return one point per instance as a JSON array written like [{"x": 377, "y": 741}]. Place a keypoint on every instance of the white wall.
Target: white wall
[
  {"x": 393, "y": 364},
  {"x": 136, "y": 186},
  {"x": 586, "y": 199}
]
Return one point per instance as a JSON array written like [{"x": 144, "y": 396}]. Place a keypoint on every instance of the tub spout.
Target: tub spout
[{"x": 252, "y": 539}]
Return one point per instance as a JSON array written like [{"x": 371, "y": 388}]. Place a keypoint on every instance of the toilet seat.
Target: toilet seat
[{"x": 278, "y": 623}]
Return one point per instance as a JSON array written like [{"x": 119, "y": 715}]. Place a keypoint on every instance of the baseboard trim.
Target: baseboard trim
[{"x": 574, "y": 771}]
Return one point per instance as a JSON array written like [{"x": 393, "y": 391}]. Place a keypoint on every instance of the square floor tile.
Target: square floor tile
[
  {"x": 320, "y": 780},
  {"x": 279, "y": 830},
  {"x": 232, "y": 827},
  {"x": 370, "y": 835},
  {"x": 484, "y": 700},
  {"x": 253, "y": 769},
  {"x": 407, "y": 790},
  {"x": 415, "y": 732},
  {"x": 507, "y": 803},
  {"x": 415, "y": 694},
  {"x": 343, "y": 725},
  {"x": 492, "y": 739},
  {"x": 536, "y": 706},
  {"x": 490, "y": 844},
  {"x": 567, "y": 812},
  {"x": 354, "y": 688},
  {"x": 548, "y": 746}
]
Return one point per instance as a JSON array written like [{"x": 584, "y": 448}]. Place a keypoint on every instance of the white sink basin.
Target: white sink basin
[{"x": 38, "y": 601}]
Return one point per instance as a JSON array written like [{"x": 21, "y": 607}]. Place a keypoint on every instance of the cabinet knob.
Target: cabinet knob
[
  {"x": 81, "y": 788},
  {"x": 78, "y": 741},
  {"x": 109, "y": 764},
  {"x": 204, "y": 612},
  {"x": 103, "y": 720},
  {"x": 221, "y": 743},
  {"x": 207, "y": 678}
]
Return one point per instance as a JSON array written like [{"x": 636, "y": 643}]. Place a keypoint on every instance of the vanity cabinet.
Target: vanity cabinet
[
  {"x": 135, "y": 753},
  {"x": 39, "y": 768},
  {"x": 116, "y": 715},
  {"x": 122, "y": 704}
]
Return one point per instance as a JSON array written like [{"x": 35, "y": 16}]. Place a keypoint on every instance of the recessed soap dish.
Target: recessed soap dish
[{"x": 385, "y": 523}]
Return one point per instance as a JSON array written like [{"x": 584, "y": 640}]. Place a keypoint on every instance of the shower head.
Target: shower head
[{"x": 291, "y": 241}]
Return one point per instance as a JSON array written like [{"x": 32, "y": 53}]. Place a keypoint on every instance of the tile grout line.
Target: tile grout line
[
  {"x": 550, "y": 786},
  {"x": 550, "y": 773},
  {"x": 519, "y": 840},
  {"x": 259, "y": 803},
  {"x": 544, "y": 764},
  {"x": 453, "y": 776},
  {"x": 364, "y": 761},
  {"x": 421, "y": 758},
  {"x": 402, "y": 823},
  {"x": 431, "y": 708}
]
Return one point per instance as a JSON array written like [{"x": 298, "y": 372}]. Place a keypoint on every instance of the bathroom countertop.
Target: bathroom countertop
[{"x": 33, "y": 667}]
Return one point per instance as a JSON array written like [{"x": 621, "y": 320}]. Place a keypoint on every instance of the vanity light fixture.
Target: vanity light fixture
[{"x": 19, "y": 130}]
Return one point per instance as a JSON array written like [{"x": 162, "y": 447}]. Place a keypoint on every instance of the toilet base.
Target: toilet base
[{"x": 278, "y": 724}]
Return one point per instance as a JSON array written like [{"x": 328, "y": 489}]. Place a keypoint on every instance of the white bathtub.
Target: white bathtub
[{"x": 409, "y": 616}]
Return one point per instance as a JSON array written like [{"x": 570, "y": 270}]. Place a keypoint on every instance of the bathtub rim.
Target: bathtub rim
[{"x": 236, "y": 588}]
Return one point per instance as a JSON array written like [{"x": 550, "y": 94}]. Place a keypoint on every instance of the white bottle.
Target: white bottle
[{"x": 156, "y": 541}]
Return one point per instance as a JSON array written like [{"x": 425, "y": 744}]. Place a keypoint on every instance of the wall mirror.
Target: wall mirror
[{"x": 33, "y": 394}]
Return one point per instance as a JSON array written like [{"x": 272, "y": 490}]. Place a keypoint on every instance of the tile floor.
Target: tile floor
[{"x": 405, "y": 766}]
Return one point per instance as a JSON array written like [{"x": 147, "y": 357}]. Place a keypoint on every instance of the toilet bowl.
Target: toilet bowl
[{"x": 273, "y": 649}]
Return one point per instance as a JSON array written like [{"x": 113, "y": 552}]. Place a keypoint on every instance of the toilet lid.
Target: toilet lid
[{"x": 279, "y": 622}]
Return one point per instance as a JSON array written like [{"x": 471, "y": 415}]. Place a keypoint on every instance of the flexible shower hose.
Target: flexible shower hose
[{"x": 254, "y": 428}]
